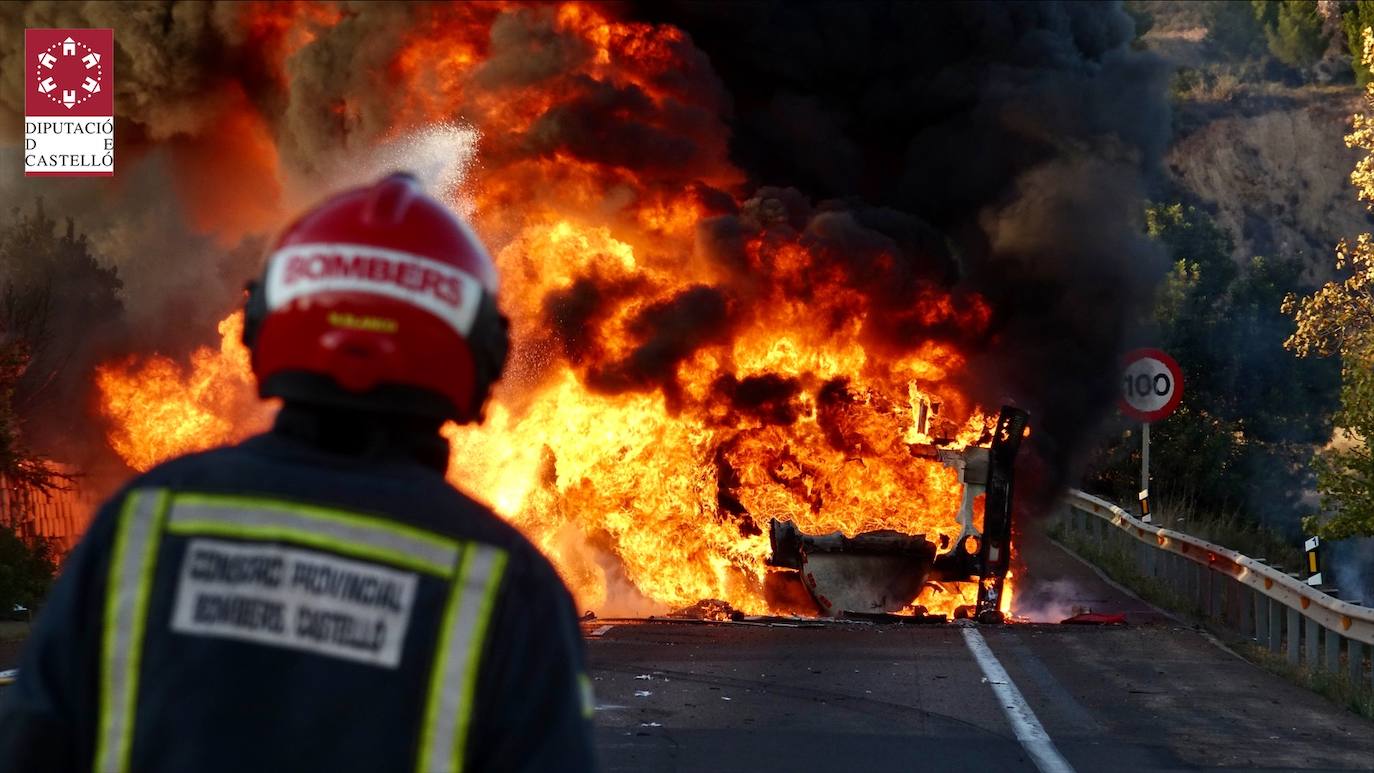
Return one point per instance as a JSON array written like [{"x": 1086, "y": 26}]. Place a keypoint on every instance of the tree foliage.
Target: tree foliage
[
  {"x": 56, "y": 296},
  {"x": 1241, "y": 440},
  {"x": 1356, "y": 16},
  {"x": 53, "y": 292},
  {"x": 26, "y": 571},
  {"x": 1339, "y": 319},
  {"x": 1293, "y": 29},
  {"x": 1234, "y": 29}
]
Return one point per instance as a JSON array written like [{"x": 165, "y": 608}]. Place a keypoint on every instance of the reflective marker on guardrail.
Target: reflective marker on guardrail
[{"x": 1314, "y": 569}]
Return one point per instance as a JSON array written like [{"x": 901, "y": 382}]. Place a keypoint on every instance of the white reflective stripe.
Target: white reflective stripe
[
  {"x": 446, "y": 291},
  {"x": 126, "y": 601},
  {"x": 1024, "y": 724},
  {"x": 325, "y": 528},
  {"x": 449, "y": 709}
]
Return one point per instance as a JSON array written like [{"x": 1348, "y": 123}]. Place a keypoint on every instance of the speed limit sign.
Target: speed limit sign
[{"x": 1151, "y": 385}]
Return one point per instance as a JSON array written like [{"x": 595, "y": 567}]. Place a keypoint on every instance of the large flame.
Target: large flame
[{"x": 645, "y": 495}]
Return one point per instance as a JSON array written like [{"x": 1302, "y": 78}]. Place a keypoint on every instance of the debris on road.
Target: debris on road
[
  {"x": 713, "y": 610},
  {"x": 1094, "y": 618}
]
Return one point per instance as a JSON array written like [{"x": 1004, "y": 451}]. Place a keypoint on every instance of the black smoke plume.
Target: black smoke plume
[{"x": 1024, "y": 133}]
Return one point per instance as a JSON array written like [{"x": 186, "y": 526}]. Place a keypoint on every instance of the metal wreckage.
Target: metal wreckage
[{"x": 876, "y": 574}]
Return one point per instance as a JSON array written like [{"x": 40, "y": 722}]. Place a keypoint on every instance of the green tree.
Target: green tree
[
  {"x": 1234, "y": 29},
  {"x": 57, "y": 297},
  {"x": 54, "y": 295},
  {"x": 1356, "y": 17},
  {"x": 1338, "y": 318},
  {"x": 1293, "y": 30},
  {"x": 26, "y": 568},
  {"x": 1241, "y": 439},
  {"x": 1345, "y": 470},
  {"x": 26, "y": 571}
]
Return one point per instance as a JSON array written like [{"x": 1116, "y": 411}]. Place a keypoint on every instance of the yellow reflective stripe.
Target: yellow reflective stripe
[
  {"x": 328, "y": 513},
  {"x": 431, "y": 749},
  {"x": 129, "y": 584},
  {"x": 588, "y": 695},
  {"x": 474, "y": 657},
  {"x": 186, "y": 528},
  {"x": 336, "y": 530},
  {"x": 448, "y": 710}
]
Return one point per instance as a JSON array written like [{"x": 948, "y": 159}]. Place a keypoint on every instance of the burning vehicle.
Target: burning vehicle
[{"x": 885, "y": 571}]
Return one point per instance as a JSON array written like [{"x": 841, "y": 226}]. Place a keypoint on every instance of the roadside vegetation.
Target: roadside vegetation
[
  {"x": 1231, "y": 465},
  {"x": 1272, "y": 440},
  {"x": 49, "y": 283},
  {"x": 1338, "y": 320},
  {"x": 1261, "y": 47}
]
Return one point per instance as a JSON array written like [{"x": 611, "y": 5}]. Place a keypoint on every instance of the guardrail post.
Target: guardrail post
[
  {"x": 1275, "y": 616},
  {"x": 1204, "y": 590},
  {"x": 1245, "y": 609},
  {"x": 1294, "y": 631},
  {"x": 1332, "y": 661},
  {"x": 1218, "y": 601},
  {"x": 1260, "y": 604},
  {"x": 1200, "y": 587},
  {"x": 1311, "y": 649},
  {"x": 1354, "y": 662}
]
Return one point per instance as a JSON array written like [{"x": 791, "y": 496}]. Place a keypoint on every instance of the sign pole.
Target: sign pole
[
  {"x": 1152, "y": 386},
  {"x": 1145, "y": 458},
  {"x": 1145, "y": 471}
]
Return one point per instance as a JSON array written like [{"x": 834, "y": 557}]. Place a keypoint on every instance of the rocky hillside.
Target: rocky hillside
[
  {"x": 1268, "y": 161},
  {"x": 1277, "y": 175}
]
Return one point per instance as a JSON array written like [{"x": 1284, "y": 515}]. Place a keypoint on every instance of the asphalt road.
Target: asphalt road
[{"x": 1154, "y": 694}]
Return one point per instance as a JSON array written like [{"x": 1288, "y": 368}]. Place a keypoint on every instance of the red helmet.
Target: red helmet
[{"x": 380, "y": 299}]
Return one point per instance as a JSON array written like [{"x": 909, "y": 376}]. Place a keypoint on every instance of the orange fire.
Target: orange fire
[
  {"x": 647, "y": 496},
  {"x": 158, "y": 408}
]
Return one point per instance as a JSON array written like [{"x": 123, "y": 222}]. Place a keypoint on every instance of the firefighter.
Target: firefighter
[{"x": 318, "y": 598}]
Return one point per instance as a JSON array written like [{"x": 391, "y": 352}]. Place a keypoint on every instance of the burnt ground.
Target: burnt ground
[{"x": 1155, "y": 694}]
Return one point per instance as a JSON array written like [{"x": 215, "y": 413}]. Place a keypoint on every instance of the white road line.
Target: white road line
[
  {"x": 601, "y": 630},
  {"x": 1024, "y": 724}
]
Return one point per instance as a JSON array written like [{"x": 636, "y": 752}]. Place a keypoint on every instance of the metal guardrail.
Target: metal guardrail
[{"x": 1240, "y": 593}]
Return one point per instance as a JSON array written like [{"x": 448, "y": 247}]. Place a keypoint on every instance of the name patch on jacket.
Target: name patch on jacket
[{"x": 296, "y": 599}]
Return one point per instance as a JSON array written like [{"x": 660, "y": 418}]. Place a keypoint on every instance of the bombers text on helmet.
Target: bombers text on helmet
[{"x": 380, "y": 299}]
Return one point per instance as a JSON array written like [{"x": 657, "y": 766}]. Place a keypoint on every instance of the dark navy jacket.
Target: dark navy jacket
[{"x": 272, "y": 606}]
